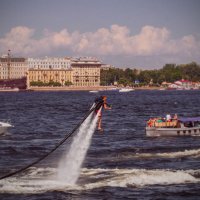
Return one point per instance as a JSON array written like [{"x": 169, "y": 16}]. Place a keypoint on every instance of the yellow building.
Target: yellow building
[
  {"x": 13, "y": 68},
  {"x": 85, "y": 72},
  {"x": 50, "y": 75}
]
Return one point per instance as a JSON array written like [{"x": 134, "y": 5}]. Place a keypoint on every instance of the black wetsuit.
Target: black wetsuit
[{"x": 99, "y": 102}]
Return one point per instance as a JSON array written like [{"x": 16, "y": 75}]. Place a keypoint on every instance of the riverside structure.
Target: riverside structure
[
  {"x": 13, "y": 67},
  {"x": 81, "y": 72},
  {"x": 49, "y": 63},
  {"x": 64, "y": 71},
  {"x": 86, "y": 72}
]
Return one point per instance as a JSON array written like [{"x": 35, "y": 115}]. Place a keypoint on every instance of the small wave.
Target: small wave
[
  {"x": 36, "y": 180},
  {"x": 179, "y": 154},
  {"x": 140, "y": 177},
  {"x": 40, "y": 180}
]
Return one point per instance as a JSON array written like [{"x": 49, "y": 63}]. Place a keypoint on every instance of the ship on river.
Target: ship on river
[{"x": 182, "y": 126}]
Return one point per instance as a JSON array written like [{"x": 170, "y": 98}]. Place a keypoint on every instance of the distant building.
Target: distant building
[
  {"x": 184, "y": 85},
  {"x": 137, "y": 82},
  {"x": 115, "y": 83},
  {"x": 106, "y": 67},
  {"x": 85, "y": 71},
  {"x": 78, "y": 71},
  {"x": 50, "y": 75},
  {"x": 12, "y": 68},
  {"x": 49, "y": 63}
]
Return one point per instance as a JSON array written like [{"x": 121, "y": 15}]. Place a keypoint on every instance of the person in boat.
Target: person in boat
[
  {"x": 175, "y": 121},
  {"x": 150, "y": 123},
  {"x": 159, "y": 119},
  {"x": 168, "y": 117},
  {"x": 175, "y": 117},
  {"x": 100, "y": 103}
]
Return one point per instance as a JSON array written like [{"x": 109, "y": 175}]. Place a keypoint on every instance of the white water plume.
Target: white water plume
[{"x": 70, "y": 166}]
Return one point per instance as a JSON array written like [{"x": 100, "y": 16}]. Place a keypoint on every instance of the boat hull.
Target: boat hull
[
  {"x": 93, "y": 91},
  {"x": 157, "y": 132},
  {"x": 126, "y": 90}
]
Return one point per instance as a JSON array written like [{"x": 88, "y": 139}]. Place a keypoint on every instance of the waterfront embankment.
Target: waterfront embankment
[
  {"x": 72, "y": 88},
  {"x": 91, "y": 88}
]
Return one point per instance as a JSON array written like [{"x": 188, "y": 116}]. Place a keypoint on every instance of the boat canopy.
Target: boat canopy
[{"x": 189, "y": 119}]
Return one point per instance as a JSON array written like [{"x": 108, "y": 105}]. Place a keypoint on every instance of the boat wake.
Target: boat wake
[
  {"x": 36, "y": 182},
  {"x": 179, "y": 154},
  {"x": 139, "y": 177}
]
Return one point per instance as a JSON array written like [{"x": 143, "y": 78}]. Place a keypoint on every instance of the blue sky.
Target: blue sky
[{"x": 125, "y": 33}]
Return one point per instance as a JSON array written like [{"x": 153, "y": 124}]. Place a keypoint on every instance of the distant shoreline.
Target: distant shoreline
[
  {"x": 72, "y": 88},
  {"x": 99, "y": 88}
]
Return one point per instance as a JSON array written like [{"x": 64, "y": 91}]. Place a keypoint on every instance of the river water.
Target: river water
[{"x": 121, "y": 162}]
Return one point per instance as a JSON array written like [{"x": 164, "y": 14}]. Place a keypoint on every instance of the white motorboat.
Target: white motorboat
[
  {"x": 175, "y": 127},
  {"x": 114, "y": 88},
  {"x": 93, "y": 91},
  {"x": 8, "y": 89},
  {"x": 4, "y": 126},
  {"x": 126, "y": 90}
]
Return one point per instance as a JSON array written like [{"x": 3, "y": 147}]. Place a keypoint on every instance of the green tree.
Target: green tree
[
  {"x": 169, "y": 73},
  {"x": 68, "y": 83},
  {"x": 191, "y": 71}
]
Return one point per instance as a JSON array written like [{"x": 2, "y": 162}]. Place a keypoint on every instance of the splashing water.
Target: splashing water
[
  {"x": 35, "y": 183},
  {"x": 70, "y": 166}
]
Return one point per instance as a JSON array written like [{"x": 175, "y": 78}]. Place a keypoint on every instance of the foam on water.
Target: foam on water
[
  {"x": 141, "y": 177},
  {"x": 178, "y": 154},
  {"x": 34, "y": 181},
  {"x": 68, "y": 170}
]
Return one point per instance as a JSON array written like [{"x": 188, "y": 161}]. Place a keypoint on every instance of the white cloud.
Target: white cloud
[
  {"x": 21, "y": 40},
  {"x": 117, "y": 41},
  {"x": 150, "y": 40}
]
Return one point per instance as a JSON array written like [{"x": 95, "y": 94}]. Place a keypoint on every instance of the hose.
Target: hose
[{"x": 56, "y": 147}]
